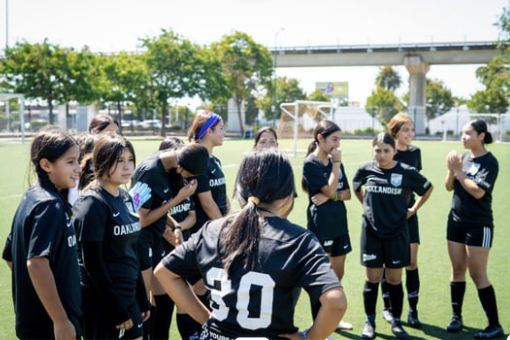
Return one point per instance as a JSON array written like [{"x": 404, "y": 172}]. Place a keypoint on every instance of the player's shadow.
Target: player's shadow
[{"x": 425, "y": 332}]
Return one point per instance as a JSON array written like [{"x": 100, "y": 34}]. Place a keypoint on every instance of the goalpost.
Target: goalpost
[
  {"x": 298, "y": 119},
  {"x": 6, "y": 97}
]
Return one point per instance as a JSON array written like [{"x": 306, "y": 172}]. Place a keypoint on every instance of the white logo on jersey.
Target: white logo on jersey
[
  {"x": 395, "y": 262},
  {"x": 120, "y": 230},
  {"x": 473, "y": 169},
  {"x": 328, "y": 243},
  {"x": 216, "y": 182},
  {"x": 71, "y": 241},
  {"x": 213, "y": 171},
  {"x": 396, "y": 180},
  {"x": 165, "y": 190},
  {"x": 369, "y": 257},
  {"x": 116, "y": 214}
]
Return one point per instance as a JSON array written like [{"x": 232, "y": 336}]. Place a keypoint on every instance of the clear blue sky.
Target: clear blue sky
[{"x": 114, "y": 25}]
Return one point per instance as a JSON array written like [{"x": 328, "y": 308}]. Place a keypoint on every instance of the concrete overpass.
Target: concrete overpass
[{"x": 416, "y": 57}]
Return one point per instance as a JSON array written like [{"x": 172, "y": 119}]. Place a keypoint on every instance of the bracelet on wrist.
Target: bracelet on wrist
[
  {"x": 177, "y": 227},
  {"x": 304, "y": 334},
  {"x": 337, "y": 161},
  {"x": 336, "y": 197}
]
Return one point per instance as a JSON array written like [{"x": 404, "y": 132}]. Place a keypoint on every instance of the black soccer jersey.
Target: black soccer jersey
[
  {"x": 181, "y": 210},
  {"x": 100, "y": 217},
  {"x": 412, "y": 157},
  {"x": 258, "y": 302},
  {"x": 152, "y": 172},
  {"x": 328, "y": 220},
  {"x": 386, "y": 195},
  {"x": 42, "y": 228},
  {"x": 212, "y": 180},
  {"x": 467, "y": 209}
]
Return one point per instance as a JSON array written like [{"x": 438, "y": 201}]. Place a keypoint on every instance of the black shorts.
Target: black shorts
[
  {"x": 376, "y": 252},
  {"x": 414, "y": 232},
  {"x": 337, "y": 246},
  {"x": 148, "y": 244},
  {"x": 98, "y": 322},
  {"x": 473, "y": 236}
]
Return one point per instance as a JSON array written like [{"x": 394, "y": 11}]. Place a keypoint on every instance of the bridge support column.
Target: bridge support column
[{"x": 417, "y": 91}]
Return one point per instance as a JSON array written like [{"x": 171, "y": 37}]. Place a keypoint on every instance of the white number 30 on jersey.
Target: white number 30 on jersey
[{"x": 217, "y": 277}]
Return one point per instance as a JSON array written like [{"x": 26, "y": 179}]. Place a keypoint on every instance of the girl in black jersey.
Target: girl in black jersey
[
  {"x": 115, "y": 304},
  {"x": 385, "y": 234},
  {"x": 401, "y": 128},
  {"x": 42, "y": 245},
  {"x": 470, "y": 224},
  {"x": 180, "y": 219},
  {"x": 155, "y": 171},
  {"x": 210, "y": 198},
  {"x": 325, "y": 182},
  {"x": 254, "y": 262},
  {"x": 266, "y": 138}
]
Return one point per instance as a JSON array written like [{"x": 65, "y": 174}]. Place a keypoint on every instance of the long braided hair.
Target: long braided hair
[{"x": 50, "y": 144}]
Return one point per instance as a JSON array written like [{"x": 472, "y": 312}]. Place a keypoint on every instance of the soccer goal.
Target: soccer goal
[
  {"x": 13, "y": 122},
  {"x": 298, "y": 119}
]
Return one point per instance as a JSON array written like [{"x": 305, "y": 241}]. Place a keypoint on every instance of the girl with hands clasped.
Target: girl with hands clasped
[
  {"x": 41, "y": 247},
  {"x": 115, "y": 304},
  {"x": 470, "y": 229},
  {"x": 325, "y": 182}
]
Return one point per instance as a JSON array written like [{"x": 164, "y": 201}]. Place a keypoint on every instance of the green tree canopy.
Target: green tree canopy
[
  {"x": 383, "y": 104},
  {"x": 439, "y": 99},
  {"x": 246, "y": 65},
  {"x": 388, "y": 78}
]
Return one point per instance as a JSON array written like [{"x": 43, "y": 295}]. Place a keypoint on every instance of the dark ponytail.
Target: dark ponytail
[
  {"x": 480, "y": 126},
  {"x": 260, "y": 172}
]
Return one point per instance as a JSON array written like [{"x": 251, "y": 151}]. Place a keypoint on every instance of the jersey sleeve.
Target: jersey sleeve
[
  {"x": 359, "y": 179},
  {"x": 182, "y": 260},
  {"x": 90, "y": 216},
  {"x": 315, "y": 274},
  {"x": 485, "y": 178},
  {"x": 418, "y": 182},
  {"x": 343, "y": 182},
  {"x": 7, "y": 252},
  {"x": 47, "y": 228},
  {"x": 203, "y": 183},
  {"x": 313, "y": 176}
]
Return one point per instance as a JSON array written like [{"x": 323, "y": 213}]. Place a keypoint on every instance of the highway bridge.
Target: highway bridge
[{"x": 416, "y": 57}]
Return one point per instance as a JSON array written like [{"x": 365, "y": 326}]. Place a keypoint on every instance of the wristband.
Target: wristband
[
  {"x": 336, "y": 197},
  {"x": 337, "y": 161},
  {"x": 304, "y": 334},
  {"x": 177, "y": 227}
]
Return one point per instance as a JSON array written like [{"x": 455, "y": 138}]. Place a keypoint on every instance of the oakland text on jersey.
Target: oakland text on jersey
[
  {"x": 183, "y": 207},
  {"x": 131, "y": 228},
  {"x": 216, "y": 182},
  {"x": 383, "y": 190}
]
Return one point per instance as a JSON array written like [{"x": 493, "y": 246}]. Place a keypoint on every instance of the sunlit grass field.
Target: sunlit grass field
[{"x": 434, "y": 305}]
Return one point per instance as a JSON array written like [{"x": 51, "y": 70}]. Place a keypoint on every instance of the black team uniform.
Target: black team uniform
[
  {"x": 469, "y": 215},
  {"x": 42, "y": 228},
  {"x": 165, "y": 305},
  {"x": 327, "y": 221},
  {"x": 385, "y": 233},
  {"x": 112, "y": 284},
  {"x": 152, "y": 172},
  {"x": 258, "y": 302},
  {"x": 212, "y": 180},
  {"x": 412, "y": 157}
]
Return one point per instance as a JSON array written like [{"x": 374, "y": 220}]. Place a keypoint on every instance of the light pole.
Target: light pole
[{"x": 275, "y": 101}]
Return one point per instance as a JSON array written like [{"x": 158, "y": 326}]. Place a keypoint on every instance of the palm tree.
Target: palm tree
[{"x": 388, "y": 78}]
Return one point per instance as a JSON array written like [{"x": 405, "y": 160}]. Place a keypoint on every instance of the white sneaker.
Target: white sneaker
[{"x": 344, "y": 326}]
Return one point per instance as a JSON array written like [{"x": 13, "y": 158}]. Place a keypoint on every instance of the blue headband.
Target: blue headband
[{"x": 209, "y": 123}]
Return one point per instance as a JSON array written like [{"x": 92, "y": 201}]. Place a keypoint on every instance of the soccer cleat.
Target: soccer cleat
[
  {"x": 490, "y": 332},
  {"x": 400, "y": 333},
  {"x": 455, "y": 324},
  {"x": 343, "y": 326},
  {"x": 368, "y": 330},
  {"x": 412, "y": 319},
  {"x": 387, "y": 315}
]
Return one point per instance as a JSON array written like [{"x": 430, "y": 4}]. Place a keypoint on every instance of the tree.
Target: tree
[
  {"x": 384, "y": 104},
  {"x": 175, "y": 69},
  {"x": 246, "y": 65},
  {"x": 37, "y": 71},
  {"x": 287, "y": 91},
  {"x": 388, "y": 78},
  {"x": 123, "y": 75},
  {"x": 318, "y": 96},
  {"x": 251, "y": 111},
  {"x": 439, "y": 99}
]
